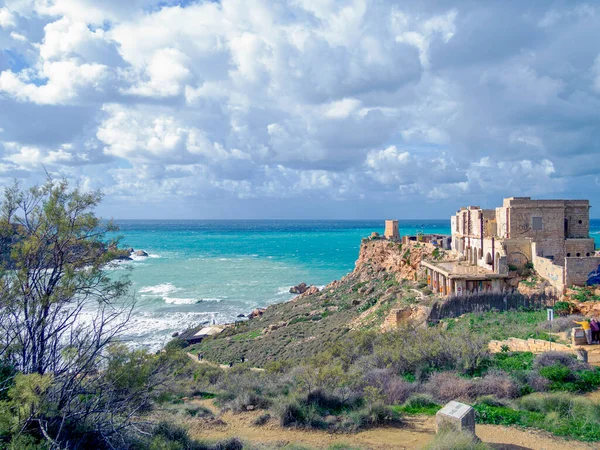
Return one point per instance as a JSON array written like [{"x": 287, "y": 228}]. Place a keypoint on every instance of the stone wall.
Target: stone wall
[
  {"x": 553, "y": 273},
  {"x": 579, "y": 270},
  {"x": 577, "y": 216},
  {"x": 528, "y": 345},
  {"x": 518, "y": 251},
  {"x": 579, "y": 247}
]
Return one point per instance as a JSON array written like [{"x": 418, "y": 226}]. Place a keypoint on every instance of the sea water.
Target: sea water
[{"x": 212, "y": 271}]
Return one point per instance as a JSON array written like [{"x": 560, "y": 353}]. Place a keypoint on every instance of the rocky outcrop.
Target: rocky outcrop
[
  {"x": 299, "y": 289},
  {"x": 274, "y": 326},
  {"x": 404, "y": 260},
  {"x": 140, "y": 253},
  {"x": 257, "y": 313},
  {"x": 312, "y": 290}
]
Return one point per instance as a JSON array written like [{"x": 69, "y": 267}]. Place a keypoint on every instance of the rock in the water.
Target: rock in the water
[
  {"x": 299, "y": 289},
  {"x": 175, "y": 334},
  {"x": 241, "y": 315},
  {"x": 140, "y": 253}
]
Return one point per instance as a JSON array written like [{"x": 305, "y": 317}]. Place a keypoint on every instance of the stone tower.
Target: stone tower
[{"x": 391, "y": 230}]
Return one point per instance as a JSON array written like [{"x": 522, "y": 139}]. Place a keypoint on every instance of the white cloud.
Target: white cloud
[
  {"x": 344, "y": 100},
  {"x": 64, "y": 38},
  {"x": 65, "y": 81},
  {"x": 7, "y": 19},
  {"x": 18, "y": 37},
  {"x": 342, "y": 108},
  {"x": 419, "y": 33},
  {"x": 167, "y": 73}
]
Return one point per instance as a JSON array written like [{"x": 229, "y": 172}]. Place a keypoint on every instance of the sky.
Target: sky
[{"x": 302, "y": 109}]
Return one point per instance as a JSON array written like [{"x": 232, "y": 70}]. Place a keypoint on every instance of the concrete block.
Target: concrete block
[{"x": 456, "y": 416}]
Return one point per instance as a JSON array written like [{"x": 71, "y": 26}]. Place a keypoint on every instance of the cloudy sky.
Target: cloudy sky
[{"x": 302, "y": 108}]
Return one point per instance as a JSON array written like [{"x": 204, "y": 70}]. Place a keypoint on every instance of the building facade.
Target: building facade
[{"x": 553, "y": 235}]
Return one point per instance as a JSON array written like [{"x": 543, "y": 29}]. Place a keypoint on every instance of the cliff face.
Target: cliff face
[{"x": 380, "y": 255}]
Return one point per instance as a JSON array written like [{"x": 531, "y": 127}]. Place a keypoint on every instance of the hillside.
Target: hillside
[{"x": 386, "y": 276}]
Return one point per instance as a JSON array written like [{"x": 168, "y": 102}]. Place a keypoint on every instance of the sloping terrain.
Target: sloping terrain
[{"x": 385, "y": 277}]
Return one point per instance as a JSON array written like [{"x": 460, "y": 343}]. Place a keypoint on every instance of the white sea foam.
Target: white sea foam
[
  {"x": 180, "y": 301},
  {"x": 160, "y": 289},
  {"x": 283, "y": 290},
  {"x": 154, "y": 255},
  {"x": 211, "y": 299}
]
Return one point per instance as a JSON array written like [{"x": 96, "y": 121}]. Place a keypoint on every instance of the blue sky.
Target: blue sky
[{"x": 302, "y": 108}]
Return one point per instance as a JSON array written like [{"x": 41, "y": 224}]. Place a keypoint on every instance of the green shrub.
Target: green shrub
[
  {"x": 419, "y": 404},
  {"x": 559, "y": 413},
  {"x": 512, "y": 361},
  {"x": 556, "y": 372},
  {"x": 562, "y": 308}
]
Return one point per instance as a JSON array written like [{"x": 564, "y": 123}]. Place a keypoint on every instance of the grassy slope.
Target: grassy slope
[{"x": 311, "y": 322}]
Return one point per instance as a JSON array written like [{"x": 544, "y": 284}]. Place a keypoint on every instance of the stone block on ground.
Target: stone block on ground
[{"x": 456, "y": 416}]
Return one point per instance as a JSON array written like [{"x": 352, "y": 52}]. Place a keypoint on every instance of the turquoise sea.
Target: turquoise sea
[{"x": 203, "y": 271}]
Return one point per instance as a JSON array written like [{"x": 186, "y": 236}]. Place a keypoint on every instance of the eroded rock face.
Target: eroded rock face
[
  {"x": 299, "y": 289},
  {"x": 258, "y": 312},
  {"x": 404, "y": 260}
]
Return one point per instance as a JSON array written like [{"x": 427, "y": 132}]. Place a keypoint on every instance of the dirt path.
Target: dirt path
[
  {"x": 222, "y": 366},
  {"x": 417, "y": 432}
]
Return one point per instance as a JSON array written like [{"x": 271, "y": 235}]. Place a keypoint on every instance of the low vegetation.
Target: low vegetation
[{"x": 67, "y": 385}]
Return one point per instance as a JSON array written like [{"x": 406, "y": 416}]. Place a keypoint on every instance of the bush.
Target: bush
[
  {"x": 553, "y": 358},
  {"x": 167, "y": 436},
  {"x": 556, "y": 372},
  {"x": 394, "y": 389},
  {"x": 497, "y": 383},
  {"x": 562, "y": 308},
  {"x": 563, "y": 323},
  {"x": 536, "y": 382},
  {"x": 246, "y": 401},
  {"x": 447, "y": 386},
  {"x": 420, "y": 404},
  {"x": 512, "y": 361},
  {"x": 262, "y": 419},
  {"x": 371, "y": 415}
]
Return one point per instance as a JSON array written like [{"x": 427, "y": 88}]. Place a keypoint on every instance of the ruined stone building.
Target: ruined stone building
[{"x": 553, "y": 235}]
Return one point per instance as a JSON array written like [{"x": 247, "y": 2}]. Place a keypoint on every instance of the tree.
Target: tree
[
  {"x": 60, "y": 311},
  {"x": 59, "y": 308}
]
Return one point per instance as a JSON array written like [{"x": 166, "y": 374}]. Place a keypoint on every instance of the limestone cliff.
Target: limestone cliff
[{"x": 403, "y": 260}]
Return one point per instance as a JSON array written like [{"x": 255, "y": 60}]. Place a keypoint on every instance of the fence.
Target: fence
[{"x": 477, "y": 303}]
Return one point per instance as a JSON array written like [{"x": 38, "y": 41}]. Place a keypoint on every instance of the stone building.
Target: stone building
[
  {"x": 391, "y": 230},
  {"x": 553, "y": 235}
]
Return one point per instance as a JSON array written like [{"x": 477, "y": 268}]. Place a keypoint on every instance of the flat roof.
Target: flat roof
[
  {"x": 209, "y": 331},
  {"x": 461, "y": 270}
]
